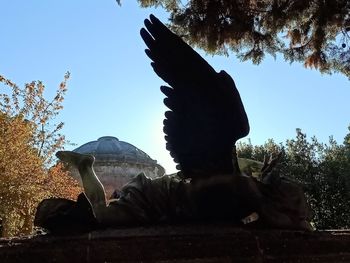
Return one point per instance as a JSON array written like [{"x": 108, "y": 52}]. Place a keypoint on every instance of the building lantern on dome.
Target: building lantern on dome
[{"x": 116, "y": 162}]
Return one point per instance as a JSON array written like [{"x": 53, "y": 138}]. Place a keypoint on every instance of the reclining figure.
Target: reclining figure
[{"x": 205, "y": 120}]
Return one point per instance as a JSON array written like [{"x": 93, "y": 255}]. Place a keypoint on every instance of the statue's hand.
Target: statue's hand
[{"x": 269, "y": 165}]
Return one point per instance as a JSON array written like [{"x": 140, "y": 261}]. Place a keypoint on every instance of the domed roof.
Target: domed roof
[{"x": 109, "y": 148}]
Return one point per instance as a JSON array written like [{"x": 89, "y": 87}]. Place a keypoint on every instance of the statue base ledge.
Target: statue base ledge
[{"x": 181, "y": 243}]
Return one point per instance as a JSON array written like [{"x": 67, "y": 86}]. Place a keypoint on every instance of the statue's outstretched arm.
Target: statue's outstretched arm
[{"x": 94, "y": 190}]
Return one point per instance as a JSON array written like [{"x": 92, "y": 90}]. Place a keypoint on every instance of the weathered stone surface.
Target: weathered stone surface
[{"x": 189, "y": 243}]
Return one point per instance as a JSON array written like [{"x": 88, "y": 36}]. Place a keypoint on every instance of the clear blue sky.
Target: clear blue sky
[{"x": 113, "y": 90}]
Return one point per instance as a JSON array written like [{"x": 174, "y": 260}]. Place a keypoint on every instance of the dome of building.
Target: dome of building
[
  {"x": 109, "y": 148},
  {"x": 117, "y": 162}
]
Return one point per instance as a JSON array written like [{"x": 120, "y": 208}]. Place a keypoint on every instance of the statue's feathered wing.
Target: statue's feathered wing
[{"x": 206, "y": 114}]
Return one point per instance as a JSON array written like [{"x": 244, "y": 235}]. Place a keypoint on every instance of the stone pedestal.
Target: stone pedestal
[{"x": 186, "y": 243}]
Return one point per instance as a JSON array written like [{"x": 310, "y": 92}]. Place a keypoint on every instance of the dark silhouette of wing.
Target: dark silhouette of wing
[{"x": 206, "y": 114}]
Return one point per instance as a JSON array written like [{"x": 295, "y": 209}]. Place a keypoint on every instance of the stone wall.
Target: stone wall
[{"x": 187, "y": 243}]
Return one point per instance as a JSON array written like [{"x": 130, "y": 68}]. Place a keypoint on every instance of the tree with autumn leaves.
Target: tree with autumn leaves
[
  {"x": 29, "y": 137},
  {"x": 315, "y": 33}
]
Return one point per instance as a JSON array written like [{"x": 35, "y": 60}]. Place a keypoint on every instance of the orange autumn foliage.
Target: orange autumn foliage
[
  {"x": 21, "y": 176},
  {"x": 28, "y": 140},
  {"x": 61, "y": 184}
]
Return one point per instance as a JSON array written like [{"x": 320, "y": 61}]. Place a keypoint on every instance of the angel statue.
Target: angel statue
[{"x": 205, "y": 119}]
